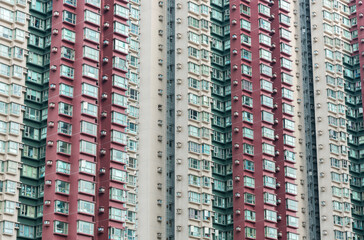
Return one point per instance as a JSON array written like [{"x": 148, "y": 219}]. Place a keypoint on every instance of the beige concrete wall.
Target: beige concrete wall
[
  {"x": 8, "y": 98},
  {"x": 149, "y": 130}
]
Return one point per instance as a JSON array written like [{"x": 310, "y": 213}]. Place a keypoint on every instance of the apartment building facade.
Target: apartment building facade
[
  {"x": 172, "y": 119},
  {"x": 13, "y": 52},
  {"x": 263, "y": 108}
]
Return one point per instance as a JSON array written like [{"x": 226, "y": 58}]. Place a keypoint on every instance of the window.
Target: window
[
  {"x": 65, "y": 90},
  {"x": 118, "y": 194},
  {"x": 245, "y": 54},
  {"x": 271, "y": 232},
  {"x": 290, "y": 172},
  {"x": 117, "y": 214},
  {"x": 245, "y": 39},
  {"x": 62, "y": 187},
  {"x": 118, "y": 137},
  {"x": 245, "y": 69},
  {"x": 121, "y": 46},
  {"x": 249, "y": 182},
  {"x": 85, "y": 207},
  {"x": 264, "y": 9},
  {"x": 87, "y": 147},
  {"x": 121, "y": 11},
  {"x": 264, "y": 24},
  {"x": 267, "y": 117},
  {"x": 294, "y": 236},
  {"x": 6, "y": 15},
  {"x": 118, "y": 175},
  {"x": 284, "y": 19},
  {"x": 249, "y": 215},
  {"x": 92, "y": 17},
  {"x": 121, "y": 28},
  {"x": 67, "y": 71},
  {"x": 248, "y": 149},
  {"x": 270, "y": 198},
  {"x": 86, "y": 187},
  {"x": 63, "y": 147},
  {"x": 18, "y": 52},
  {"x": 292, "y": 221},
  {"x": 116, "y": 234},
  {"x": 250, "y": 232},
  {"x": 291, "y": 204},
  {"x": 249, "y": 198},
  {"x": 291, "y": 188},
  {"x": 245, "y": 24},
  {"x": 60, "y": 227},
  {"x": 68, "y": 35},
  {"x": 69, "y": 17},
  {"x": 63, "y": 167},
  {"x": 88, "y": 108},
  {"x": 264, "y": 54},
  {"x": 269, "y": 182},
  {"x": 89, "y": 90},
  {"x": 284, "y": 33},
  {"x": 286, "y": 63},
  {"x": 65, "y": 108},
  {"x": 248, "y": 133},
  {"x": 87, "y": 167},
  {"x": 289, "y": 109},
  {"x": 8, "y": 207},
  {"x": 119, "y": 100},
  {"x": 85, "y": 227},
  {"x": 244, "y": 9},
  {"x": 90, "y": 71},
  {"x": 266, "y": 70},
  {"x": 289, "y": 156},
  {"x": 119, "y": 156},
  {"x": 91, "y": 53},
  {"x": 265, "y": 39},
  {"x": 266, "y": 101},
  {"x": 61, "y": 207},
  {"x": 91, "y": 35},
  {"x": 267, "y": 132},
  {"x": 270, "y": 215},
  {"x": 289, "y": 140}
]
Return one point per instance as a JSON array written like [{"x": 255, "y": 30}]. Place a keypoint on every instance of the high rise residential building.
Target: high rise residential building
[
  {"x": 174, "y": 119},
  {"x": 264, "y": 135},
  {"x": 13, "y": 51},
  {"x": 334, "y": 103},
  {"x": 35, "y": 121}
]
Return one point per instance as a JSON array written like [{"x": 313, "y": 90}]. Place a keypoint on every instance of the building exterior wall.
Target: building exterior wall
[
  {"x": 173, "y": 119},
  {"x": 263, "y": 138},
  {"x": 221, "y": 122},
  {"x": 330, "y": 30},
  {"x": 13, "y": 59},
  {"x": 193, "y": 121},
  {"x": 153, "y": 172}
]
